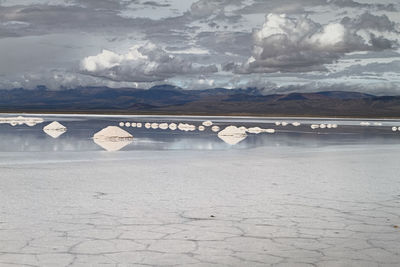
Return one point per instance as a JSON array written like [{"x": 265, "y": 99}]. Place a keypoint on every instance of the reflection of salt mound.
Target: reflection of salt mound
[
  {"x": 186, "y": 127},
  {"x": 378, "y": 124},
  {"x": 365, "y": 123},
  {"x": 207, "y": 123},
  {"x": 55, "y": 129},
  {"x": 14, "y": 121},
  {"x": 112, "y": 138},
  {"x": 232, "y": 135}
]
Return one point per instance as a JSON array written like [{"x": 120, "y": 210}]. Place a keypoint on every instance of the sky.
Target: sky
[{"x": 277, "y": 46}]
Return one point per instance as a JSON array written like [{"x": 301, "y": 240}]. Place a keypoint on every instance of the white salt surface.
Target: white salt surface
[{"x": 259, "y": 207}]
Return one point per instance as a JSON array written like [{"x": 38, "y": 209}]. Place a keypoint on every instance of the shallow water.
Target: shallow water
[{"x": 80, "y": 130}]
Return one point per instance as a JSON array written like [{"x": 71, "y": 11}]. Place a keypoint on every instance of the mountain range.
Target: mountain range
[{"x": 167, "y": 99}]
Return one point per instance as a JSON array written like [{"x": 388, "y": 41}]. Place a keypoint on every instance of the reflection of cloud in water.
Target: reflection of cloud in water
[
  {"x": 232, "y": 135},
  {"x": 112, "y": 138},
  {"x": 14, "y": 121},
  {"x": 55, "y": 129}
]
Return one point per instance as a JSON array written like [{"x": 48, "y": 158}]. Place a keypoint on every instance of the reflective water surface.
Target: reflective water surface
[{"x": 188, "y": 133}]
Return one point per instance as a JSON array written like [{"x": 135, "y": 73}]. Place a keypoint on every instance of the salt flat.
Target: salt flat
[{"x": 330, "y": 206}]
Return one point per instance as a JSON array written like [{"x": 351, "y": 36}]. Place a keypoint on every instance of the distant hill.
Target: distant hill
[{"x": 167, "y": 99}]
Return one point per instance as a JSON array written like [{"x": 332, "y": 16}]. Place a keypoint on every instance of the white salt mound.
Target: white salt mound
[
  {"x": 314, "y": 126},
  {"x": 201, "y": 128},
  {"x": 284, "y": 123},
  {"x": 207, "y": 123},
  {"x": 14, "y": 121},
  {"x": 394, "y": 129},
  {"x": 127, "y": 124},
  {"x": 163, "y": 126},
  {"x": 334, "y": 125},
  {"x": 112, "y": 138},
  {"x": 55, "y": 129},
  {"x": 55, "y": 125},
  {"x": 322, "y": 126},
  {"x": 186, "y": 127},
  {"x": 139, "y": 125},
  {"x": 154, "y": 125},
  {"x": 232, "y": 135},
  {"x": 377, "y": 123},
  {"x": 147, "y": 125},
  {"x": 121, "y": 124},
  {"x": 277, "y": 123},
  {"x": 133, "y": 124},
  {"x": 296, "y": 124},
  {"x": 365, "y": 123},
  {"x": 173, "y": 126},
  {"x": 215, "y": 128},
  {"x": 113, "y": 133}
]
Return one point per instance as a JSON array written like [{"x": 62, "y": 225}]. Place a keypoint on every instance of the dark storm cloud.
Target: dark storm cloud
[
  {"x": 227, "y": 31},
  {"x": 156, "y": 4},
  {"x": 298, "y": 44}
]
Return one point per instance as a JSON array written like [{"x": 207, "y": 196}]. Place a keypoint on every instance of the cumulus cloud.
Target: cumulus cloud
[
  {"x": 147, "y": 63},
  {"x": 298, "y": 44}
]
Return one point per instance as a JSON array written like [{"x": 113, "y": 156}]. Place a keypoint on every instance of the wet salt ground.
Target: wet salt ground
[{"x": 288, "y": 199}]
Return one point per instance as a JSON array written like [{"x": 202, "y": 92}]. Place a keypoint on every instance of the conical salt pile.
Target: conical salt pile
[
  {"x": 112, "y": 132},
  {"x": 55, "y": 125},
  {"x": 112, "y": 138},
  {"x": 232, "y": 135},
  {"x": 55, "y": 129}
]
